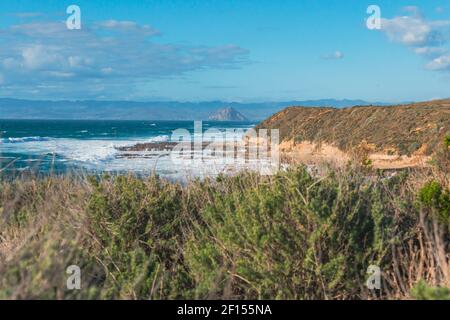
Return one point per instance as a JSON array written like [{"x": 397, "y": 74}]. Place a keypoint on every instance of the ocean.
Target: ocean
[{"x": 91, "y": 146}]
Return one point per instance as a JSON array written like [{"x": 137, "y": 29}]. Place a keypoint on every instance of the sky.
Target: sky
[{"x": 230, "y": 50}]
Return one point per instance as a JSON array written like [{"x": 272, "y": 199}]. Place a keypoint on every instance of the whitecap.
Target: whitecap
[
  {"x": 23, "y": 139},
  {"x": 88, "y": 151},
  {"x": 162, "y": 138}
]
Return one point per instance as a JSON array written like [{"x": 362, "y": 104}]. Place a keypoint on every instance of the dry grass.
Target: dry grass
[{"x": 291, "y": 236}]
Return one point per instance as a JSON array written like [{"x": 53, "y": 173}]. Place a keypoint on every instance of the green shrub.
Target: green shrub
[
  {"x": 422, "y": 291},
  {"x": 433, "y": 196},
  {"x": 430, "y": 194},
  {"x": 139, "y": 229},
  {"x": 292, "y": 238},
  {"x": 447, "y": 141}
]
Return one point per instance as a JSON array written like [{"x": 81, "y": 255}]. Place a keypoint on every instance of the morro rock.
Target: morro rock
[{"x": 227, "y": 114}]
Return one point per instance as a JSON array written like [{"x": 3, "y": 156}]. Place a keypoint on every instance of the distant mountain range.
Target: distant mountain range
[{"x": 157, "y": 110}]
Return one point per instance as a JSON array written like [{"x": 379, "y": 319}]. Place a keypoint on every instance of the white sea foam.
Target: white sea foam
[
  {"x": 89, "y": 151},
  {"x": 84, "y": 151},
  {"x": 92, "y": 151},
  {"x": 162, "y": 138},
  {"x": 23, "y": 139}
]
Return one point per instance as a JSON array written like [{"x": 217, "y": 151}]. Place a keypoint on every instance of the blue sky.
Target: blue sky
[{"x": 233, "y": 50}]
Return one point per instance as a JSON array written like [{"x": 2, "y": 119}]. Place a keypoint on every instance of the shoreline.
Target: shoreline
[{"x": 306, "y": 153}]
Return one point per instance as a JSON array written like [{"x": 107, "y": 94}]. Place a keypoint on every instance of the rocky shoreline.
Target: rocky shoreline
[{"x": 158, "y": 149}]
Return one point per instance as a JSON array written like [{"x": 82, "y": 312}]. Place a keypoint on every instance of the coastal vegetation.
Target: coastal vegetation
[{"x": 295, "y": 235}]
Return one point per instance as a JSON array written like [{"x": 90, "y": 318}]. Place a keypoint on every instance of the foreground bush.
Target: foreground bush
[{"x": 290, "y": 236}]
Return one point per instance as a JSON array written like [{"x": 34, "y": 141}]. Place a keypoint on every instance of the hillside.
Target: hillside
[{"x": 409, "y": 129}]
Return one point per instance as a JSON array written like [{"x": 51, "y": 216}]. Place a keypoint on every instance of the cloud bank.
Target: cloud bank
[{"x": 106, "y": 59}]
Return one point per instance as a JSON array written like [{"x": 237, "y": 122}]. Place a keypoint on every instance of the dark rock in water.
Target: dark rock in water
[
  {"x": 149, "y": 146},
  {"x": 227, "y": 114}
]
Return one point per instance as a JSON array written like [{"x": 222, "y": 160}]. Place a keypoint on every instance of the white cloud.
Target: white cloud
[
  {"x": 427, "y": 38},
  {"x": 119, "y": 24},
  {"x": 37, "y": 56},
  {"x": 128, "y": 26},
  {"x": 440, "y": 63},
  {"x": 107, "y": 70},
  {"x": 412, "y": 31},
  {"x": 77, "y": 61},
  {"x": 429, "y": 51},
  {"x": 337, "y": 55},
  {"x": 59, "y": 74}
]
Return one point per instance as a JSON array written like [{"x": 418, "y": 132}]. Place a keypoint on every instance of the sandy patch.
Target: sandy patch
[
  {"x": 382, "y": 161},
  {"x": 313, "y": 153}
]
